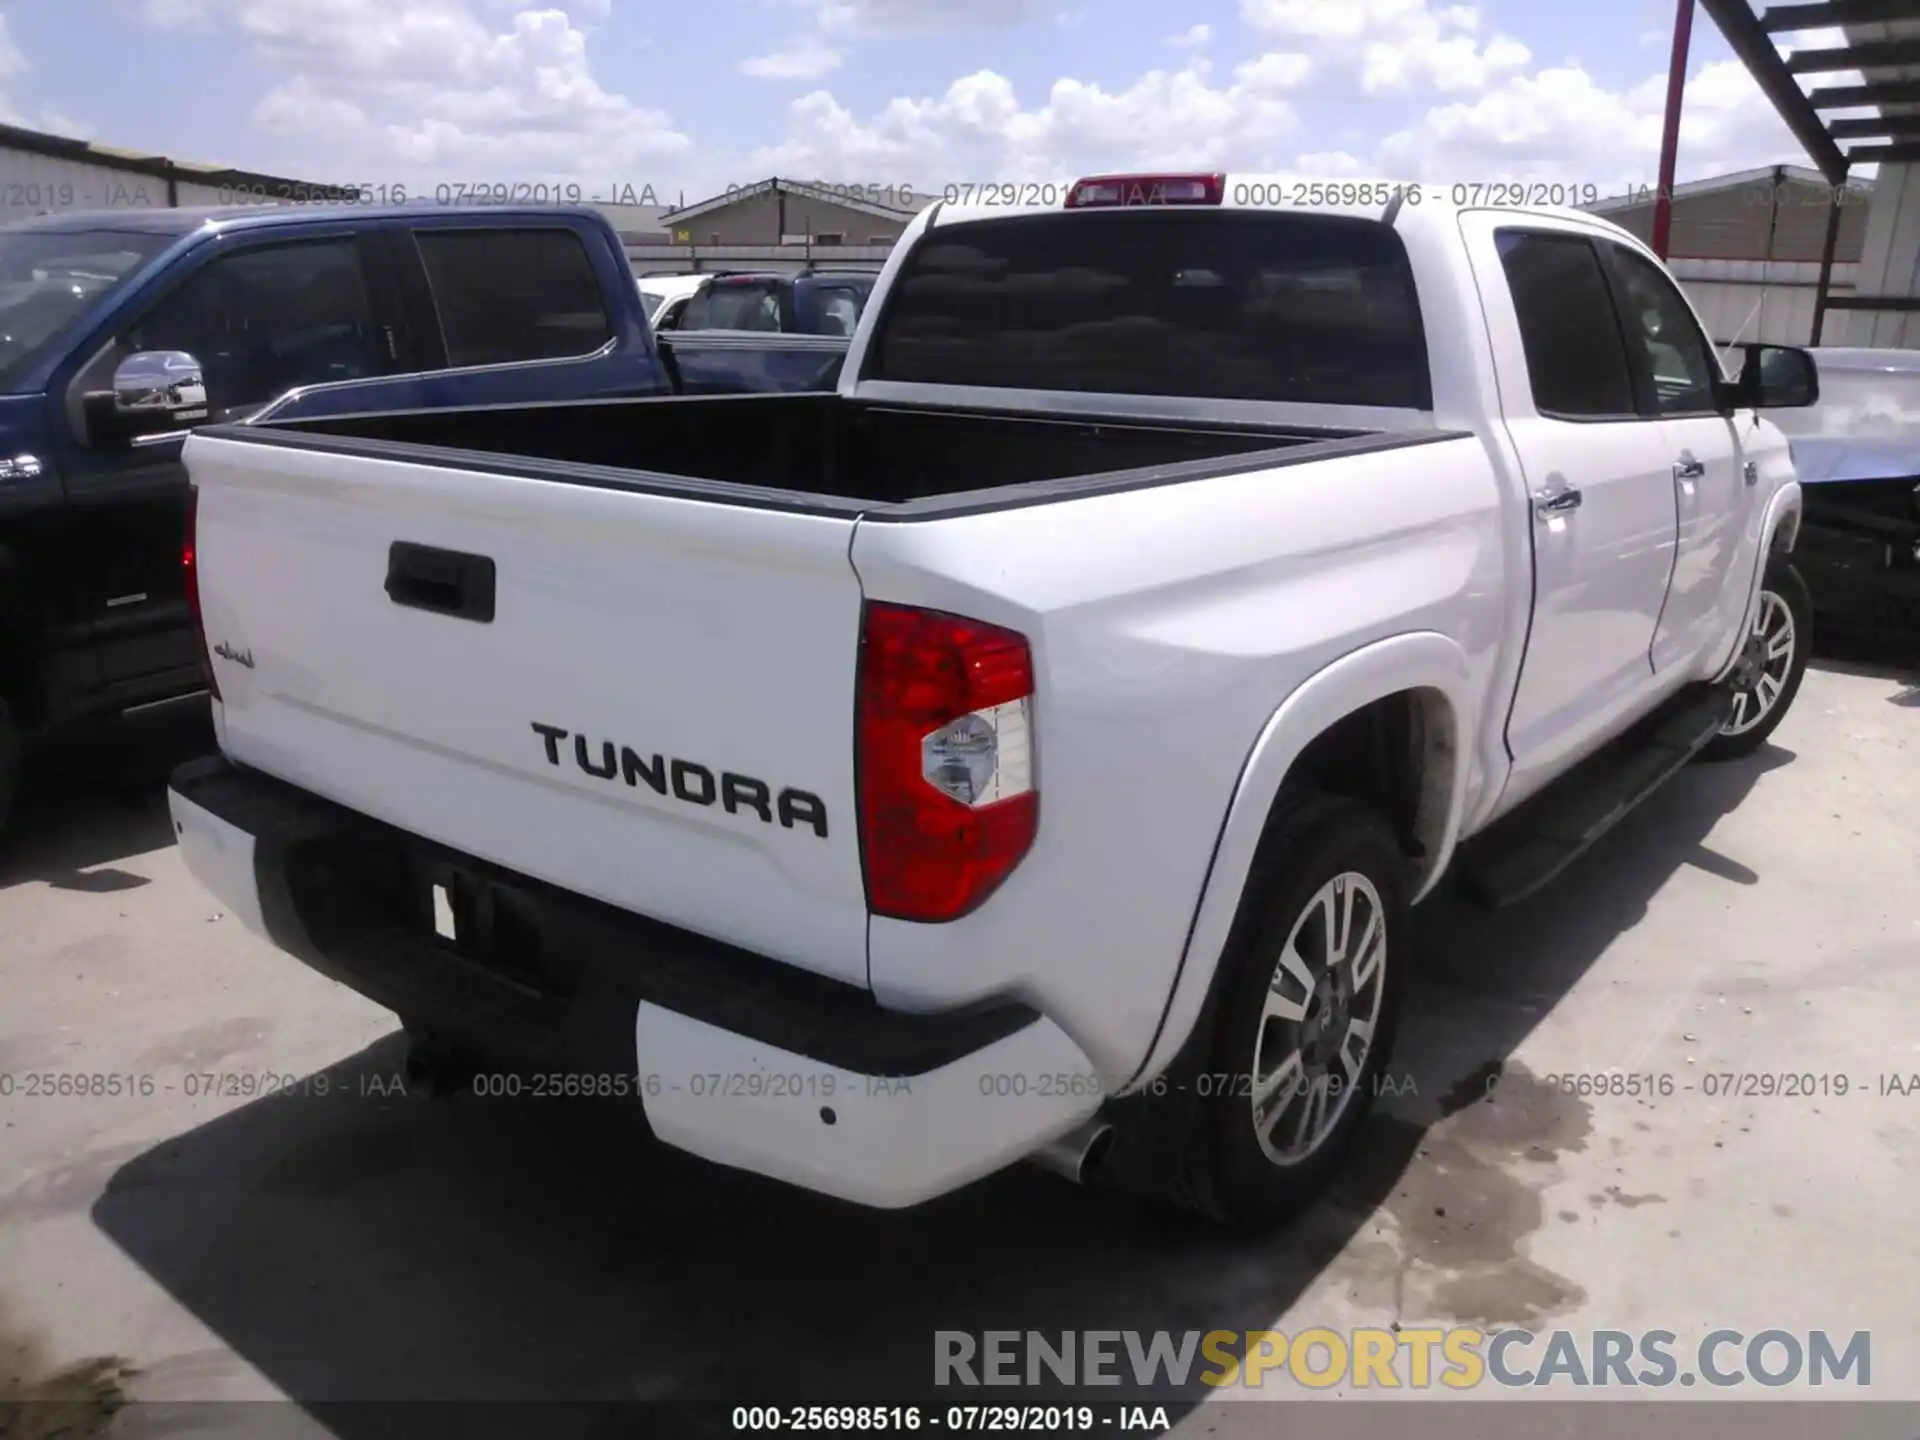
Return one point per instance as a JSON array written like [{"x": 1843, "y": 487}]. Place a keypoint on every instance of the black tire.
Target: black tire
[
  {"x": 1311, "y": 842},
  {"x": 1782, "y": 591},
  {"x": 10, "y": 766}
]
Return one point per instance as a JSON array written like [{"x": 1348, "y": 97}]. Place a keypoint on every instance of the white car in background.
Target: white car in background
[{"x": 667, "y": 295}]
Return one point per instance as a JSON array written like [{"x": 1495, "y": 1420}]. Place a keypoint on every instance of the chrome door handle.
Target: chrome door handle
[
  {"x": 1688, "y": 468},
  {"x": 1558, "y": 501},
  {"x": 1752, "y": 472}
]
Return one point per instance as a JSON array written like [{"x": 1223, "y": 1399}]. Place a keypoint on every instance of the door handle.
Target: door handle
[
  {"x": 1560, "y": 501},
  {"x": 446, "y": 582},
  {"x": 1752, "y": 472},
  {"x": 1688, "y": 468}
]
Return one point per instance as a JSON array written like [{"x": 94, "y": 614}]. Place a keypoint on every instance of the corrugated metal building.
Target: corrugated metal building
[
  {"x": 43, "y": 174},
  {"x": 784, "y": 225},
  {"x": 1747, "y": 246}
]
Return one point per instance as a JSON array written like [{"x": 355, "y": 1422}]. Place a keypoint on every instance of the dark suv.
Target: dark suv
[{"x": 813, "y": 302}]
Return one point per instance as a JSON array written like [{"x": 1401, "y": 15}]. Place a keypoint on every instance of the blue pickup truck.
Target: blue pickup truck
[{"x": 121, "y": 330}]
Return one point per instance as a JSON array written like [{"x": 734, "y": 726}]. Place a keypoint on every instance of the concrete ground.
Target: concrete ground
[{"x": 1761, "y": 917}]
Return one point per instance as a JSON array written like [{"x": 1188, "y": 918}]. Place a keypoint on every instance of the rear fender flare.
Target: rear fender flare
[{"x": 1424, "y": 660}]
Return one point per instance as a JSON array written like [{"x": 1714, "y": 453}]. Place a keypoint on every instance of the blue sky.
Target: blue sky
[{"x": 878, "y": 92}]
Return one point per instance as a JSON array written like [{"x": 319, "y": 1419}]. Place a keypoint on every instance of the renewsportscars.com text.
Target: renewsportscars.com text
[{"x": 1458, "y": 1359}]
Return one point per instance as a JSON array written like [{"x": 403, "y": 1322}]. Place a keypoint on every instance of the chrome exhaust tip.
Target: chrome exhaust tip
[{"x": 1075, "y": 1154}]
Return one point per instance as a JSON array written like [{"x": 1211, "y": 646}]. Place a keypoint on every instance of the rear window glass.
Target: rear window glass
[
  {"x": 1312, "y": 309},
  {"x": 734, "y": 305},
  {"x": 831, "y": 308}
]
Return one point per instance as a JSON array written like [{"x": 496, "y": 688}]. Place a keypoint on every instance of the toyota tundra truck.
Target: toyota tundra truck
[{"x": 1036, "y": 747}]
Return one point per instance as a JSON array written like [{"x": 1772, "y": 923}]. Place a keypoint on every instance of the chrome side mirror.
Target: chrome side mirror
[
  {"x": 159, "y": 390},
  {"x": 154, "y": 391}
]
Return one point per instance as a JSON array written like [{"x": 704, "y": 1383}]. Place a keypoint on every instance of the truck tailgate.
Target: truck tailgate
[{"x": 648, "y": 699}]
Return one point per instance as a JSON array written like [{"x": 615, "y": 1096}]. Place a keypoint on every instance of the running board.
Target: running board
[{"x": 1523, "y": 851}]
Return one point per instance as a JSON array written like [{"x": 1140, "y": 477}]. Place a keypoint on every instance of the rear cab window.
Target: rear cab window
[
  {"x": 1310, "y": 309},
  {"x": 505, "y": 296}
]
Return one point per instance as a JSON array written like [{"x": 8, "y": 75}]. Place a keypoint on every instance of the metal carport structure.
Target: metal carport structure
[{"x": 1877, "y": 120}]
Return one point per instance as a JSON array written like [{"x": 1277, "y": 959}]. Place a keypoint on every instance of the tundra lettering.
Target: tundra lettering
[{"x": 690, "y": 782}]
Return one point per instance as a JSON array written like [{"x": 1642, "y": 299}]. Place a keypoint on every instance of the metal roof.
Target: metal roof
[
  {"x": 1778, "y": 212},
  {"x": 1737, "y": 180},
  {"x": 62, "y": 147},
  {"x": 1880, "y": 38},
  {"x": 827, "y": 194}
]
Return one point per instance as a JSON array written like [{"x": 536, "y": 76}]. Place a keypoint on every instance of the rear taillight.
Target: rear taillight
[
  {"x": 1098, "y": 192},
  {"x": 192, "y": 572},
  {"x": 948, "y": 805}
]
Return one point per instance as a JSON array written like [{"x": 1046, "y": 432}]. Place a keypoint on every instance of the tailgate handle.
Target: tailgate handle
[{"x": 447, "y": 582}]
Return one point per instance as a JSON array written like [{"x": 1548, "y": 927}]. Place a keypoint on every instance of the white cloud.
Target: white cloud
[
  {"x": 905, "y": 17},
  {"x": 806, "y": 59},
  {"x": 1330, "y": 19},
  {"x": 1499, "y": 116},
  {"x": 979, "y": 130},
  {"x": 1331, "y": 164},
  {"x": 58, "y": 122},
  {"x": 372, "y": 91},
  {"x": 1561, "y": 124},
  {"x": 1276, "y": 70},
  {"x": 168, "y": 14},
  {"x": 382, "y": 90},
  {"x": 12, "y": 61},
  {"x": 1394, "y": 45}
]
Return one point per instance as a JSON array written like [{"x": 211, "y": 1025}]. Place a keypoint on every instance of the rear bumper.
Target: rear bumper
[{"x": 736, "y": 1057}]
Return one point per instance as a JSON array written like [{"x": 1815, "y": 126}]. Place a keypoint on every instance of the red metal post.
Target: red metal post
[{"x": 1670, "y": 135}]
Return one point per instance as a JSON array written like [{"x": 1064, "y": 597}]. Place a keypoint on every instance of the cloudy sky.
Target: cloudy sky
[{"x": 689, "y": 98}]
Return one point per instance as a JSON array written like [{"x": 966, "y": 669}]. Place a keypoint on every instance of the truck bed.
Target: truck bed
[{"x": 847, "y": 454}]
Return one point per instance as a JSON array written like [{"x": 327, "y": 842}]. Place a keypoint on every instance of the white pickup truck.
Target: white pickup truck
[{"x": 1035, "y": 749}]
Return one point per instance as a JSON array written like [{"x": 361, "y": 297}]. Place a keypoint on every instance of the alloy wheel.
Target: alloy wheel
[
  {"x": 1760, "y": 675},
  {"x": 1317, "y": 1024}
]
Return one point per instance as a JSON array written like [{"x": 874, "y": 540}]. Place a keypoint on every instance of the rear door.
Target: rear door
[
  {"x": 1676, "y": 368},
  {"x": 1601, "y": 481},
  {"x": 646, "y": 698}
]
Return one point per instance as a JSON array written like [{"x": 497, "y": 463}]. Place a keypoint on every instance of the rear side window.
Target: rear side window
[
  {"x": 1576, "y": 359},
  {"x": 1312, "y": 309},
  {"x": 734, "y": 305},
  {"x": 510, "y": 295},
  {"x": 830, "y": 309}
]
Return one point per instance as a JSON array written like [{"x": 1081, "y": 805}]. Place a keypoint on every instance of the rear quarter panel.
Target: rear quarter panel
[{"x": 1168, "y": 625}]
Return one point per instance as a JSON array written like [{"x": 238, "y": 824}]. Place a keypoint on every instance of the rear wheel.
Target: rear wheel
[
  {"x": 1316, "y": 968},
  {"x": 1773, "y": 660}
]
